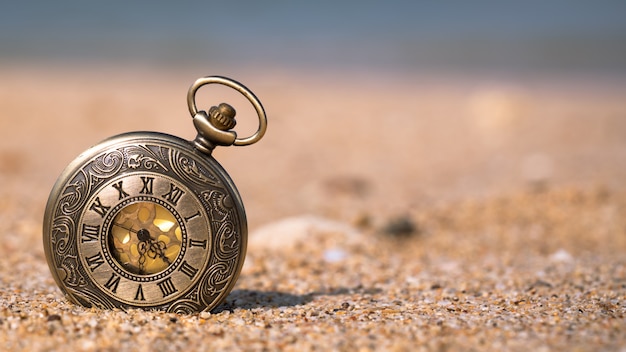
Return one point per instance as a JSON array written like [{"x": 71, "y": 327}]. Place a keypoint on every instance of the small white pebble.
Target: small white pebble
[
  {"x": 334, "y": 255},
  {"x": 413, "y": 280},
  {"x": 561, "y": 256},
  {"x": 205, "y": 315},
  {"x": 285, "y": 234}
]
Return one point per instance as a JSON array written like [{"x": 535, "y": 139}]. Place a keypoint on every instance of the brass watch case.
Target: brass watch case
[{"x": 106, "y": 178}]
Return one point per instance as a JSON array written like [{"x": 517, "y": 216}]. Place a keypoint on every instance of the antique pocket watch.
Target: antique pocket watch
[{"x": 148, "y": 220}]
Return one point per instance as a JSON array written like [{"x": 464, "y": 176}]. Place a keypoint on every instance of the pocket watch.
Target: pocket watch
[{"x": 149, "y": 220}]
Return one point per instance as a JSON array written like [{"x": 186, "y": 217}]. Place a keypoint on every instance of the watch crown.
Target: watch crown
[{"x": 222, "y": 116}]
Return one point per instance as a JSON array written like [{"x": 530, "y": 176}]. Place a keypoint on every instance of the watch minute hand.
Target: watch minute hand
[{"x": 125, "y": 228}]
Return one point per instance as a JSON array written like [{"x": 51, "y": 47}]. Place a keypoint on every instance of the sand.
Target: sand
[{"x": 414, "y": 212}]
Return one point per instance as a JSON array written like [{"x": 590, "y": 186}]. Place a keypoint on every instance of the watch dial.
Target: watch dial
[{"x": 145, "y": 238}]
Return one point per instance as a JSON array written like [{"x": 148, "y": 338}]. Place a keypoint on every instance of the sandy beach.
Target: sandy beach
[{"x": 386, "y": 212}]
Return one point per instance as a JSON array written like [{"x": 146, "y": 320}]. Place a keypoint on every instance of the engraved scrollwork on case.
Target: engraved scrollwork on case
[
  {"x": 62, "y": 236},
  {"x": 91, "y": 298},
  {"x": 184, "y": 306},
  {"x": 192, "y": 295},
  {"x": 62, "y": 244},
  {"x": 214, "y": 281},
  {"x": 227, "y": 239},
  {"x": 142, "y": 156},
  {"x": 105, "y": 166},
  {"x": 220, "y": 203},
  {"x": 70, "y": 267},
  {"x": 186, "y": 167},
  {"x": 74, "y": 195}
]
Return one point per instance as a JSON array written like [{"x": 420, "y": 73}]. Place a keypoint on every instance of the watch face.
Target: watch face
[{"x": 144, "y": 220}]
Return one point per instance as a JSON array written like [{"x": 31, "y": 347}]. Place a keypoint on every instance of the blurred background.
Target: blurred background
[
  {"x": 548, "y": 37},
  {"x": 375, "y": 107}
]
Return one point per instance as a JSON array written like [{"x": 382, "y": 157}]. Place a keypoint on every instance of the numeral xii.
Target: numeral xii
[{"x": 174, "y": 194}]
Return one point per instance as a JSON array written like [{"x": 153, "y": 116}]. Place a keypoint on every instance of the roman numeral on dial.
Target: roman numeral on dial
[
  {"x": 174, "y": 194},
  {"x": 95, "y": 261},
  {"x": 167, "y": 287},
  {"x": 197, "y": 214},
  {"x": 188, "y": 270},
  {"x": 139, "y": 295},
  {"x": 99, "y": 208},
  {"x": 120, "y": 190},
  {"x": 148, "y": 183},
  {"x": 197, "y": 243},
  {"x": 90, "y": 233},
  {"x": 112, "y": 283}
]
